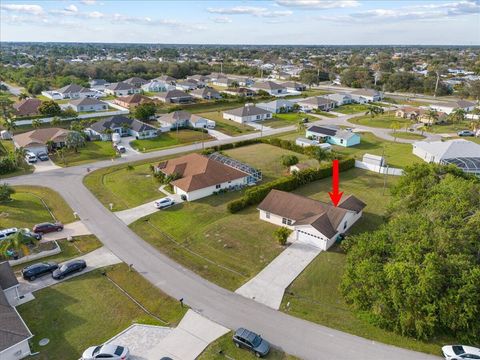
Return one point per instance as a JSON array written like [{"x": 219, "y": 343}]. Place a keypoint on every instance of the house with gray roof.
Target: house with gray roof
[
  {"x": 182, "y": 118},
  {"x": 175, "y": 97},
  {"x": 247, "y": 113},
  {"x": 272, "y": 88},
  {"x": 136, "y": 81},
  {"x": 363, "y": 96},
  {"x": 120, "y": 124},
  {"x": 333, "y": 135},
  {"x": 340, "y": 98},
  {"x": 14, "y": 333},
  {"x": 206, "y": 93},
  {"x": 88, "y": 104},
  {"x": 121, "y": 89},
  {"x": 277, "y": 106},
  {"x": 316, "y": 103}
]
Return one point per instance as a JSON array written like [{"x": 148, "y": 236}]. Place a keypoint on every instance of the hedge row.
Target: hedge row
[{"x": 287, "y": 183}]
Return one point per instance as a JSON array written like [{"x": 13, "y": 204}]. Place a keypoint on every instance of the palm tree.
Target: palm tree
[
  {"x": 6, "y": 107},
  {"x": 15, "y": 243},
  {"x": 55, "y": 121},
  {"x": 9, "y": 124},
  {"x": 458, "y": 115},
  {"x": 36, "y": 123},
  {"x": 374, "y": 110},
  {"x": 61, "y": 154},
  {"x": 395, "y": 126},
  {"x": 301, "y": 126},
  {"x": 19, "y": 156},
  {"x": 74, "y": 140},
  {"x": 432, "y": 116}
]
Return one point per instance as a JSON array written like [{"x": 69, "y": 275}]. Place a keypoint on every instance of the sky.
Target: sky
[{"x": 297, "y": 22}]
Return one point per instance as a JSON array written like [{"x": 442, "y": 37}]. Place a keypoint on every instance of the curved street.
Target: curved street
[{"x": 294, "y": 336}]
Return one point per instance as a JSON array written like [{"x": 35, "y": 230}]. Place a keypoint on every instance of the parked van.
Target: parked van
[
  {"x": 30, "y": 158},
  {"x": 7, "y": 232}
]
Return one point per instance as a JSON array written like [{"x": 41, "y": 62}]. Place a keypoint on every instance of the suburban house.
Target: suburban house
[
  {"x": 316, "y": 103},
  {"x": 418, "y": 114},
  {"x": 242, "y": 92},
  {"x": 121, "y": 89},
  {"x": 38, "y": 140},
  {"x": 200, "y": 80},
  {"x": 98, "y": 84},
  {"x": 87, "y": 104},
  {"x": 175, "y": 96},
  {"x": 225, "y": 82},
  {"x": 450, "y": 107},
  {"x": 363, "y": 96},
  {"x": 72, "y": 91},
  {"x": 157, "y": 86},
  {"x": 132, "y": 101},
  {"x": 168, "y": 79},
  {"x": 340, "y": 98},
  {"x": 27, "y": 107},
  {"x": 272, "y": 88},
  {"x": 277, "y": 106},
  {"x": 120, "y": 124},
  {"x": 461, "y": 153},
  {"x": 136, "y": 81},
  {"x": 247, "y": 113},
  {"x": 200, "y": 176},
  {"x": 313, "y": 222},
  {"x": 14, "y": 333},
  {"x": 294, "y": 86},
  {"x": 186, "y": 85},
  {"x": 182, "y": 118},
  {"x": 242, "y": 81},
  {"x": 206, "y": 93},
  {"x": 333, "y": 136},
  {"x": 304, "y": 142}
]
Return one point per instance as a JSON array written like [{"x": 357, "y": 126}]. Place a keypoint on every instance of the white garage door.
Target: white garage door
[{"x": 311, "y": 239}]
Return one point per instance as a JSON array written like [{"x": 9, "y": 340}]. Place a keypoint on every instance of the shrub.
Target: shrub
[
  {"x": 282, "y": 234},
  {"x": 289, "y": 160},
  {"x": 6, "y": 191},
  {"x": 7, "y": 165}
]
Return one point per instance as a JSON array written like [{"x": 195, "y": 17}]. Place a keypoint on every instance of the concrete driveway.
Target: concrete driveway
[
  {"x": 269, "y": 285},
  {"x": 48, "y": 165},
  {"x": 218, "y": 135},
  {"x": 188, "y": 340},
  {"x": 95, "y": 259},
  {"x": 76, "y": 228}
]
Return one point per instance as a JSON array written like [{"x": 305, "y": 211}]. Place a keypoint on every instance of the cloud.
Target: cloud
[
  {"x": 222, "y": 20},
  {"x": 23, "y": 8},
  {"x": 145, "y": 20},
  {"x": 71, "y": 8},
  {"x": 318, "y": 4},
  {"x": 88, "y": 2},
  {"x": 250, "y": 10},
  {"x": 95, "y": 15}
]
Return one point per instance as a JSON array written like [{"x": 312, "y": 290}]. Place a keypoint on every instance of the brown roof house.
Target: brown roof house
[
  {"x": 36, "y": 140},
  {"x": 132, "y": 101},
  {"x": 27, "y": 107},
  {"x": 200, "y": 176},
  {"x": 14, "y": 333},
  {"x": 313, "y": 222}
]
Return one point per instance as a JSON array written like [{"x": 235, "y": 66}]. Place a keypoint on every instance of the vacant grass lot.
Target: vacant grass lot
[
  {"x": 89, "y": 309},
  {"x": 224, "y": 348},
  {"x": 407, "y": 135},
  {"x": 93, "y": 151},
  {"x": 227, "y": 249},
  {"x": 385, "y": 121},
  {"x": 397, "y": 154},
  {"x": 267, "y": 158},
  {"x": 169, "y": 139},
  {"x": 31, "y": 205},
  {"x": 227, "y": 127},
  {"x": 448, "y": 128},
  {"x": 351, "y": 108},
  {"x": 287, "y": 119}
]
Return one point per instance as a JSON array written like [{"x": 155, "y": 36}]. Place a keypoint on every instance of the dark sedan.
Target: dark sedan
[
  {"x": 34, "y": 271},
  {"x": 44, "y": 228},
  {"x": 69, "y": 268},
  {"x": 248, "y": 339},
  {"x": 42, "y": 156}
]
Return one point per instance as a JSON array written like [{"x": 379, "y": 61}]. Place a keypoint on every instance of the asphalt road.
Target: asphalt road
[{"x": 295, "y": 336}]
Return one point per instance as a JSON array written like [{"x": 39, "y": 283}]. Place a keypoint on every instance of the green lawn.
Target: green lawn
[
  {"x": 211, "y": 106},
  {"x": 227, "y": 127},
  {"x": 224, "y": 348},
  {"x": 448, "y": 128},
  {"x": 351, "y": 108},
  {"x": 397, "y": 154},
  {"x": 381, "y": 121},
  {"x": 93, "y": 151},
  {"x": 287, "y": 119},
  {"x": 7, "y": 146},
  {"x": 267, "y": 158},
  {"x": 70, "y": 249},
  {"x": 28, "y": 209},
  {"x": 227, "y": 249},
  {"x": 407, "y": 135},
  {"x": 169, "y": 139},
  {"x": 89, "y": 309}
]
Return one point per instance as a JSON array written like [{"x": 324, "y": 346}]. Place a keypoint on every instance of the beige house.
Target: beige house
[{"x": 36, "y": 140}]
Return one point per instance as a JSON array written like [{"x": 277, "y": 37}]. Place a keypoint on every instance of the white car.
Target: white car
[
  {"x": 460, "y": 352},
  {"x": 163, "y": 203},
  {"x": 30, "y": 157},
  {"x": 7, "y": 232},
  {"x": 107, "y": 351}
]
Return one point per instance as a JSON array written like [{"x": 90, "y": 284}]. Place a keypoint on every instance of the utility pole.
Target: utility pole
[{"x": 385, "y": 181}]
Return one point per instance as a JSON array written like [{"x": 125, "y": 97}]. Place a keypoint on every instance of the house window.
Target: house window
[
  {"x": 286, "y": 221},
  {"x": 345, "y": 225},
  {"x": 341, "y": 141},
  {"x": 267, "y": 215},
  {"x": 218, "y": 186},
  {"x": 258, "y": 117}
]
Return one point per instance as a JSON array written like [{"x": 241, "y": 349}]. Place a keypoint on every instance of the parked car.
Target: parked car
[
  {"x": 465, "y": 133},
  {"x": 30, "y": 233},
  {"x": 44, "y": 228},
  {"x": 460, "y": 352},
  {"x": 34, "y": 271},
  {"x": 42, "y": 156},
  {"x": 107, "y": 351},
  {"x": 244, "y": 338},
  {"x": 163, "y": 203},
  {"x": 7, "y": 232},
  {"x": 69, "y": 268},
  {"x": 121, "y": 149},
  {"x": 30, "y": 157}
]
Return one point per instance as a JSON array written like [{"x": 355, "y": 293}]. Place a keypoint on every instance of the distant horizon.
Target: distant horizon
[{"x": 243, "y": 22}]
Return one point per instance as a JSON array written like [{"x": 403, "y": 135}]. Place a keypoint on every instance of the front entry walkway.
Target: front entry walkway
[{"x": 269, "y": 285}]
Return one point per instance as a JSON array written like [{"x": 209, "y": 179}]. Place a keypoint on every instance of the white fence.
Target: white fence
[{"x": 378, "y": 169}]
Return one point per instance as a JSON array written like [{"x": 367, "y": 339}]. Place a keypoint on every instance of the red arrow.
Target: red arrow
[{"x": 335, "y": 195}]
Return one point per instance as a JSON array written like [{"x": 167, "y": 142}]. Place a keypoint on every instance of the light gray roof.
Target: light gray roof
[
  {"x": 86, "y": 101},
  {"x": 135, "y": 80},
  {"x": 206, "y": 91},
  {"x": 247, "y": 110},
  {"x": 316, "y": 100},
  {"x": 449, "y": 149},
  {"x": 72, "y": 88},
  {"x": 366, "y": 92},
  {"x": 12, "y": 328},
  {"x": 173, "y": 94},
  {"x": 277, "y": 104},
  {"x": 173, "y": 117},
  {"x": 267, "y": 85},
  {"x": 120, "y": 86}
]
